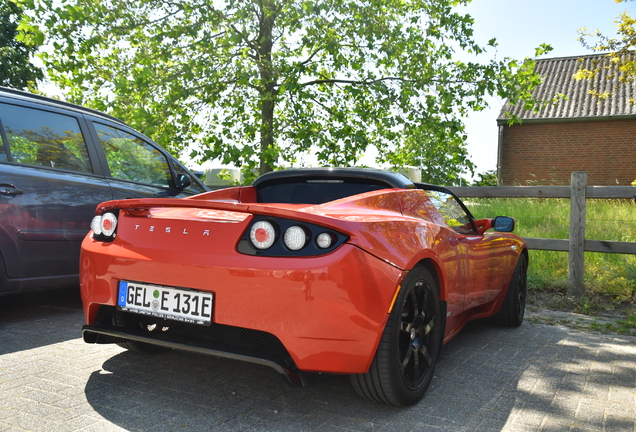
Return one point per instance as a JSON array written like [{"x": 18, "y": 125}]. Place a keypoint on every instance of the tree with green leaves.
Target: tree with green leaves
[
  {"x": 486, "y": 178},
  {"x": 618, "y": 62},
  {"x": 270, "y": 83},
  {"x": 16, "y": 69}
]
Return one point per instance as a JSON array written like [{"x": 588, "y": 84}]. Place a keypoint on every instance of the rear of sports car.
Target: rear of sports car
[{"x": 277, "y": 287}]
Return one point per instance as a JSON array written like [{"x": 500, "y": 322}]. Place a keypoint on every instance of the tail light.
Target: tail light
[
  {"x": 104, "y": 226},
  {"x": 295, "y": 238},
  {"x": 263, "y": 237},
  {"x": 324, "y": 240}
]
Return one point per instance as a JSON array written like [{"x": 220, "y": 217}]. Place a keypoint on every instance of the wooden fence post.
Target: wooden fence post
[{"x": 576, "y": 252}]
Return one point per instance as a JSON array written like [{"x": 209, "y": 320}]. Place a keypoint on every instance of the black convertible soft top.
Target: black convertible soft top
[
  {"x": 392, "y": 179},
  {"x": 321, "y": 185}
]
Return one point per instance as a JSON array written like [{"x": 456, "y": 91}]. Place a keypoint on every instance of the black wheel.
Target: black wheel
[
  {"x": 121, "y": 319},
  {"x": 403, "y": 366},
  {"x": 514, "y": 305}
]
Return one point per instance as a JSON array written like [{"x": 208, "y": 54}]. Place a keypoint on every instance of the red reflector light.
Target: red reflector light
[
  {"x": 262, "y": 235},
  {"x": 109, "y": 223}
]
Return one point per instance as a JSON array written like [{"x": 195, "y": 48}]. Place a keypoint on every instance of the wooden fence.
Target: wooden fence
[{"x": 576, "y": 245}]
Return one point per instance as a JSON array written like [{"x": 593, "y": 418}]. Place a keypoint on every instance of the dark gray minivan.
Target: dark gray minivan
[{"x": 57, "y": 162}]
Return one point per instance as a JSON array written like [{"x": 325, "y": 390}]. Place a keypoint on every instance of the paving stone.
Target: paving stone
[{"x": 532, "y": 378}]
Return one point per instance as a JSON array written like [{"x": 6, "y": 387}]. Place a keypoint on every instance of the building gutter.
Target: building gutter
[
  {"x": 504, "y": 122},
  {"x": 500, "y": 155}
]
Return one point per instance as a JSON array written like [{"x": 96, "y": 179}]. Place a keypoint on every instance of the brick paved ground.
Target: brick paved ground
[{"x": 534, "y": 378}]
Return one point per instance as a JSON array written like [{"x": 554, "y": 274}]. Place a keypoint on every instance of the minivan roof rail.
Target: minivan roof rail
[{"x": 52, "y": 101}]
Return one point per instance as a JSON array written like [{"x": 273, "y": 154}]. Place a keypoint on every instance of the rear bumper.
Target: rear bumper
[
  {"x": 101, "y": 334},
  {"x": 328, "y": 312}
]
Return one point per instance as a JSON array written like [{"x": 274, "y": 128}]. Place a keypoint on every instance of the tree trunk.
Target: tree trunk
[
  {"x": 267, "y": 136},
  {"x": 268, "y": 87}
]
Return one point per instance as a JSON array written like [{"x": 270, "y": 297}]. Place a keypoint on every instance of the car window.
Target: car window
[
  {"x": 195, "y": 187},
  {"x": 452, "y": 213},
  {"x": 314, "y": 191},
  {"x": 43, "y": 138},
  {"x": 131, "y": 158}
]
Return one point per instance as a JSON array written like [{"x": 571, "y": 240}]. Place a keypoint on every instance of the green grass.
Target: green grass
[
  {"x": 620, "y": 326},
  {"x": 628, "y": 325},
  {"x": 609, "y": 275}
]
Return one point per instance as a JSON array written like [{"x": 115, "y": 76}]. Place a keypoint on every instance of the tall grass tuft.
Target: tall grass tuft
[{"x": 612, "y": 275}]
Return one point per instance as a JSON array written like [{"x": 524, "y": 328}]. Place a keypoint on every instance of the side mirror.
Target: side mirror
[
  {"x": 503, "y": 224},
  {"x": 182, "y": 181}
]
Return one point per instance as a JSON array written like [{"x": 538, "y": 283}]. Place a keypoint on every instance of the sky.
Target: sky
[{"x": 519, "y": 27}]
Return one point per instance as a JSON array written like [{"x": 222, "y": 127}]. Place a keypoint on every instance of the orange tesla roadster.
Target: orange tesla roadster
[{"x": 310, "y": 271}]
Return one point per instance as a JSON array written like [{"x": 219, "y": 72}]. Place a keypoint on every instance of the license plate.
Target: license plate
[{"x": 166, "y": 302}]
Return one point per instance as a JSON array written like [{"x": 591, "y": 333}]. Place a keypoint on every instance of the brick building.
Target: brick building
[{"x": 579, "y": 133}]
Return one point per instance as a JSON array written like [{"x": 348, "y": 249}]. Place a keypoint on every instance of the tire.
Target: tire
[
  {"x": 122, "y": 320},
  {"x": 403, "y": 366},
  {"x": 514, "y": 305}
]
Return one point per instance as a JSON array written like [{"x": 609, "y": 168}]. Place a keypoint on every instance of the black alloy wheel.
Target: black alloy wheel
[
  {"x": 522, "y": 291},
  {"x": 403, "y": 366},
  {"x": 514, "y": 305},
  {"x": 416, "y": 338}
]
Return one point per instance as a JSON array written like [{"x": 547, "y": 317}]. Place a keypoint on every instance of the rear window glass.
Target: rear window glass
[
  {"x": 36, "y": 137},
  {"x": 316, "y": 191}
]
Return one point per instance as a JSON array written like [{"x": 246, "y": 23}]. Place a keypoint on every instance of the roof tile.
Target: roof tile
[{"x": 557, "y": 75}]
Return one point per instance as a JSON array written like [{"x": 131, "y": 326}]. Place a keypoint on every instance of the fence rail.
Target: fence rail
[
  {"x": 576, "y": 245},
  {"x": 563, "y": 245},
  {"x": 608, "y": 192}
]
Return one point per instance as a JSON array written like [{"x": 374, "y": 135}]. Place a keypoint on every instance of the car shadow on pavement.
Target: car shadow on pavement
[
  {"x": 489, "y": 378},
  {"x": 34, "y": 319},
  {"x": 177, "y": 390}
]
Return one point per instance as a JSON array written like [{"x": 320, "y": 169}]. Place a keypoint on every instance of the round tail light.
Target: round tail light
[
  {"x": 295, "y": 238},
  {"x": 108, "y": 224},
  {"x": 262, "y": 235},
  {"x": 96, "y": 225},
  {"x": 324, "y": 240},
  {"x": 104, "y": 225}
]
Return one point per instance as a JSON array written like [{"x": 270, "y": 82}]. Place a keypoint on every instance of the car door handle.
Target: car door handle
[
  {"x": 9, "y": 189},
  {"x": 453, "y": 241}
]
